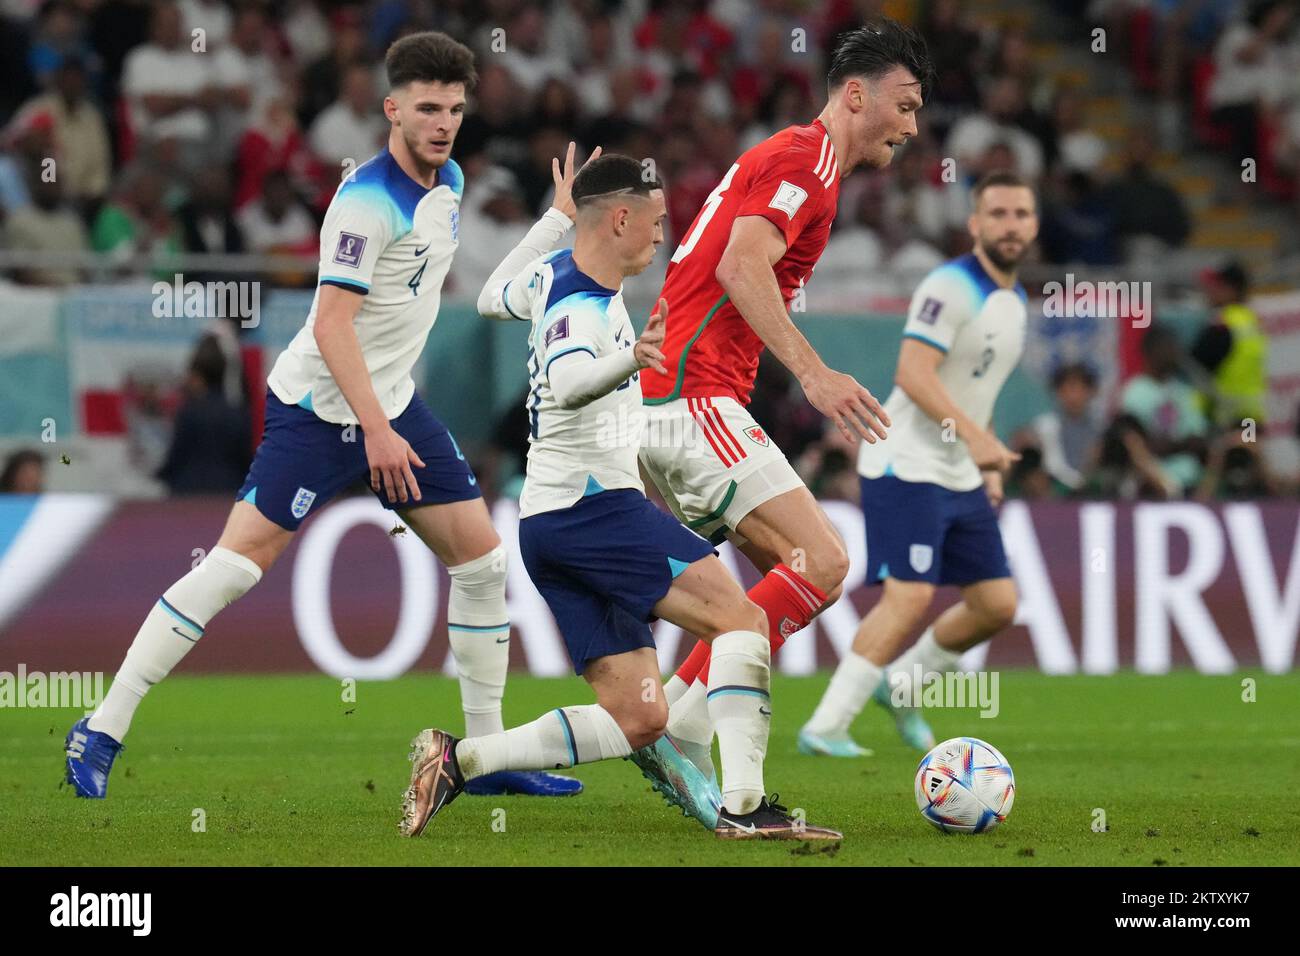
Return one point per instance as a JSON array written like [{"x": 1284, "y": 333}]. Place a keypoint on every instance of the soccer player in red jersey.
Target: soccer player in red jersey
[{"x": 750, "y": 250}]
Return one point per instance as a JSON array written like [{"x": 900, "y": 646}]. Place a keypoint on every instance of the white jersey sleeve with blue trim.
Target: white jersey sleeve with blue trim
[
  {"x": 583, "y": 431},
  {"x": 503, "y": 297},
  {"x": 358, "y": 227},
  {"x": 980, "y": 329},
  {"x": 391, "y": 239},
  {"x": 942, "y": 303},
  {"x": 571, "y": 325}
]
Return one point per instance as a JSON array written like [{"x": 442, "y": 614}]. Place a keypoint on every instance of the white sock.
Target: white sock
[
  {"x": 740, "y": 708},
  {"x": 562, "y": 738},
  {"x": 172, "y": 627},
  {"x": 851, "y": 686},
  {"x": 688, "y": 716},
  {"x": 929, "y": 654},
  {"x": 478, "y": 629},
  {"x": 674, "y": 687}
]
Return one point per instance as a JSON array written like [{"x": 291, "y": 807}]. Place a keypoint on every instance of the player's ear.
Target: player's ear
[{"x": 855, "y": 93}]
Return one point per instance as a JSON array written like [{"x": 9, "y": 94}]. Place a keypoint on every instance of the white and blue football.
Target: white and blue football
[{"x": 965, "y": 785}]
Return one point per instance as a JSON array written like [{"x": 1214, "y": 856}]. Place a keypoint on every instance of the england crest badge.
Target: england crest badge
[
  {"x": 921, "y": 556},
  {"x": 302, "y": 502}
]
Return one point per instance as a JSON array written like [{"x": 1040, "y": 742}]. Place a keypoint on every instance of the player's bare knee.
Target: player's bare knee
[
  {"x": 750, "y": 617},
  {"x": 644, "y": 724},
  {"x": 828, "y": 566},
  {"x": 908, "y": 600},
  {"x": 655, "y": 718},
  {"x": 999, "y": 610}
]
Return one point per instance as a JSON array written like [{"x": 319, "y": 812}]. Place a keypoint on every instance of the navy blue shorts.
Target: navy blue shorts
[
  {"x": 304, "y": 461},
  {"x": 602, "y": 565},
  {"x": 918, "y": 531}
]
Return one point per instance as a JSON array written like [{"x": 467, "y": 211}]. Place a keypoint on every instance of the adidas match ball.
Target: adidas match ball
[{"x": 965, "y": 786}]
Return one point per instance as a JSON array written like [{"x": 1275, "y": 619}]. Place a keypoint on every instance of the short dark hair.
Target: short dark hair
[
  {"x": 1080, "y": 370},
  {"x": 873, "y": 50},
  {"x": 1000, "y": 177},
  {"x": 429, "y": 57},
  {"x": 1234, "y": 274},
  {"x": 1158, "y": 335},
  {"x": 15, "y": 463},
  {"x": 613, "y": 173}
]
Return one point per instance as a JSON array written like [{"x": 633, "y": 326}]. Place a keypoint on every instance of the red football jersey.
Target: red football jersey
[{"x": 793, "y": 181}]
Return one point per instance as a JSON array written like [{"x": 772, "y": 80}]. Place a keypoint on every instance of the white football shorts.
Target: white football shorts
[{"x": 712, "y": 462}]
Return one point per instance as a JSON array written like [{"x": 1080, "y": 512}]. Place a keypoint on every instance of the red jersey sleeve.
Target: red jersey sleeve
[{"x": 791, "y": 189}]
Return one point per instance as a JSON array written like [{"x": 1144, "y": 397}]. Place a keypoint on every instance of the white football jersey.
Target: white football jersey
[
  {"x": 390, "y": 239},
  {"x": 576, "y": 452},
  {"x": 980, "y": 328}
]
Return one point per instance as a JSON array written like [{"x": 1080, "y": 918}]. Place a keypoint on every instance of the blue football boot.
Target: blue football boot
[
  {"x": 827, "y": 745},
  {"x": 90, "y": 756},
  {"x": 525, "y": 783},
  {"x": 912, "y": 727},
  {"x": 679, "y": 781}
]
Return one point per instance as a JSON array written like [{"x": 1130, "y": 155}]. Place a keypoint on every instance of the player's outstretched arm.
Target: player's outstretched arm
[
  {"x": 918, "y": 376},
  {"x": 745, "y": 273},
  {"x": 502, "y": 297},
  {"x": 499, "y": 298},
  {"x": 578, "y": 379}
]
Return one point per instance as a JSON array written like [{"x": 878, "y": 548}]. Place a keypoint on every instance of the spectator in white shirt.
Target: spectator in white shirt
[
  {"x": 1078, "y": 148},
  {"x": 210, "y": 16},
  {"x": 972, "y": 135},
  {"x": 168, "y": 85},
  {"x": 246, "y": 74},
  {"x": 525, "y": 55},
  {"x": 492, "y": 218},
  {"x": 277, "y": 221},
  {"x": 352, "y": 127},
  {"x": 1250, "y": 71}
]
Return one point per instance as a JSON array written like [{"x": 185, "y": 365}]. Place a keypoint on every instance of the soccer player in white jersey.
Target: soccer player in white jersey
[
  {"x": 607, "y": 560},
  {"x": 929, "y": 492},
  {"x": 342, "y": 408}
]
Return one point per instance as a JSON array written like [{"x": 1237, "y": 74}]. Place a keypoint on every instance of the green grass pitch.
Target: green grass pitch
[{"x": 285, "y": 772}]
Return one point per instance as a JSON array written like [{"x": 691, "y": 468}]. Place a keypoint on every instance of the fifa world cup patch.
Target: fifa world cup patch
[
  {"x": 756, "y": 434},
  {"x": 349, "y": 249},
  {"x": 558, "y": 330},
  {"x": 302, "y": 502},
  {"x": 930, "y": 309},
  {"x": 921, "y": 556},
  {"x": 788, "y": 198}
]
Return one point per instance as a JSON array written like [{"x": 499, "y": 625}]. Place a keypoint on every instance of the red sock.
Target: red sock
[
  {"x": 789, "y": 601},
  {"x": 698, "y": 657}
]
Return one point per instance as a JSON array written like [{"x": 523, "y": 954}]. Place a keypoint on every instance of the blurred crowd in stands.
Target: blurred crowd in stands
[
  {"x": 1188, "y": 425},
  {"x": 175, "y": 126},
  {"x": 205, "y": 125}
]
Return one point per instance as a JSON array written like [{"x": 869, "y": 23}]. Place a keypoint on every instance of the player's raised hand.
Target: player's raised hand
[
  {"x": 564, "y": 180},
  {"x": 989, "y": 454},
  {"x": 648, "y": 348},
  {"x": 853, "y": 409},
  {"x": 390, "y": 457}
]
